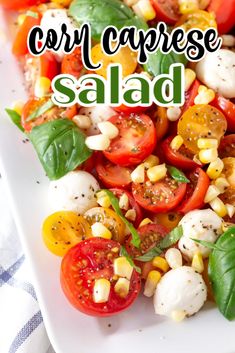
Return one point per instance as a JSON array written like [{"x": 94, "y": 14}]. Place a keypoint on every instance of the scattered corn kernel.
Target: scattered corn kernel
[
  {"x": 82, "y": 121},
  {"x": 103, "y": 199},
  {"x": 211, "y": 194},
  {"x": 109, "y": 129},
  {"x": 189, "y": 78},
  {"x": 151, "y": 161},
  {"x": 124, "y": 201},
  {"x": 99, "y": 230},
  {"x": 122, "y": 287},
  {"x": 122, "y": 267},
  {"x": 131, "y": 215},
  {"x": 205, "y": 95},
  {"x": 97, "y": 142},
  {"x": 151, "y": 283},
  {"x": 157, "y": 173},
  {"x": 215, "y": 168},
  {"x": 203, "y": 143},
  {"x": 197, "y": 262},
  {"x": 42, "y": 87},
  {"x": 138, "y": 174},
  {"x": 219, "y": 207},
  {"x": 230, "y": 210},
  {"x": 144, "y": 9},
  {"x": 177, "y": 142},
  {"x": 18, "y": 106},
  {"x": 145, "y": 221},
  {"x": 160, "y": 263},
  {"x": 101, "y": 290},
  {"x": 21, "y": 18},
  {"x": 174, "y": 258},
  {"x": 208, "y": 155},
  {"x": 173, "y": 113},
  {"x": 187, "y": 6},
  {"x": 222, "y": 184},
  {"x": 178, "y": 315},
  {"x": 228, "y": 40}
]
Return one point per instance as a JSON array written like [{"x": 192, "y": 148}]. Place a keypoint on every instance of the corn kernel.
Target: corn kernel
[
  {"x": 131, "y": 215},
  {"x": 197, "y": 262},
  {"x": 18, "y": 106},
  {"x": 97, "y": 142},
  {"x": 178, "y": 315},
  {"x": 187, "y": 6},
  {"x": 189, "y": 78},
  {"x": 160, "y": 263},
  {"x": 222, "y": 184},
  {"x": 21, "y": 18},
  {"x": 173, "y": 113},
  {"x": 144, "y": 9},
  {"x": 203, "y": 143},
  {"x": 109, "y": 129},
  {"x": 101, "y": 290},
  {"x": 177, "y": 142},
  {"x": 99, "y": 230},
  {"x": 174, "y": 258},
  {"x": 205, "y": 95},
  {"x": 145, "y": 221},
  {"x": 82, "y": 121},
  {"x": 211, "y": 194},
  {"x": 124, "y": 201},
  {"x": 103, "y": 199},
  {"x": 138, "y": 174},
  {"x": 230, "y": 210},
  {"x": 151, "y": 283},
  {"x": 64, "y": 3},
  {"x": 219, "y": 207},
  {"x": 151, "y": 161},
  {"x": 122, "y": 267},
  {"x": 157, "y": 173},
  {"x": 122, "y": 287},
  {"x": 208, "y": 155},
  {"x": 42, "y": 87},
  {"x": 215, "y": 168}
]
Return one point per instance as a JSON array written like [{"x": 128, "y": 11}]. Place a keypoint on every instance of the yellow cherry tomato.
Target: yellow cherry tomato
[
  {"x": 125, "y": 57},
  {"x": 229, "y": 171},
  {"x": 197, "y": 19},
  {"x": 109, "y": 219},
  {"x": 201, "y": 121},
  {"x": 170, "y": 220},
  {"x": 161, "y": 122},
  {"x": 62, "y": 230}
]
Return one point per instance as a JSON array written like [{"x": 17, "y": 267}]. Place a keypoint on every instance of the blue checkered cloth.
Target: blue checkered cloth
[{"x": 21, "y": 324}]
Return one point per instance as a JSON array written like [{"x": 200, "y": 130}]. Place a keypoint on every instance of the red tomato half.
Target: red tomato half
[
  {"x": 135, "y": 142},
  {"x": 227, "y": 146},
  {"x": 72, "y": 63},
  {"x": 224, "y": 12},
  {"x": 19, "y": 4},
  {"x": 161, "y": 196},
  {"x": 49, "y": 66},
  {"x": 196, "y": 191},
  {"x": 112, "y": 175},
  {"x": 190, "y": 95},
  {"x": 166, "y": 10},
  {"x": 130, "y": 110},
  {"x": 227, "y": 108},
  {"x": 181, "y": 159},
  {"x": 132, "y": 205},
  {"x": 89, "y": 260}
]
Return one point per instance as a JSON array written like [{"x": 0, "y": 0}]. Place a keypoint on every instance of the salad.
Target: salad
[{"x": 142, "y": 199}]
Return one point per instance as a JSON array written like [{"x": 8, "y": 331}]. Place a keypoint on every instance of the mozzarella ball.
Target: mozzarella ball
[
  {"x": 217, "y": 71},
  {"x": 53, "y": 19},
  {"x": 96, "y": 114},
  {"x": 73, "y": 192},
  {"x": 199, "y": 224},
  {"x": 181, "y": 289}
]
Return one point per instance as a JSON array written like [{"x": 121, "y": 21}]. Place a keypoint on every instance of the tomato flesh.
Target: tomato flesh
[
  {"x": 227, "y": 108},
  {"x": 166, "y": 11},
  {"x": 227, "y": 146},
  {"x": 72, "y": 63},
  {"x": 90, "y": 260},
  {"x": 224, "y": 14}
]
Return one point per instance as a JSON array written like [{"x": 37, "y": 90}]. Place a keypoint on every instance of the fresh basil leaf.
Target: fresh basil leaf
[
  {"x": 177, "y": 174},
  {"x": 159, "y": 63},
  {"x": 115, "y": 204},
  {"x": 124, "y": 253},
  {"x": 221, "y": 271},
  {"x": 148, "y": 256},
  {"x": 102, "y": 13},
  {"x": 32, "y": 14},
  {"x": 15, "y": 118},
  {"x": 171, "y": 238},
  {"x": 207, "y": 244},
  {"x": 60, "y": 146},
  {"x": 41, "y": 110}
]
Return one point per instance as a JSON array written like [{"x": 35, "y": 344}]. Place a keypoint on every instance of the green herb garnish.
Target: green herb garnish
[
  {"x": 177, "y": 174},
  {"x": 15, "y": 118},
  {"x": 124, "y": 253},
  {"x": 41, "y": 110}
]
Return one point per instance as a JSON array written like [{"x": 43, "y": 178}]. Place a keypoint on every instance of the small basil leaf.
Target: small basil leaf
[
  {"x": 32, "y": 14},
  {"x": 207, "y": 244},
  {"x": 115, "y": 204},
  {"x": 148, "y": 256},
  {"x": 60, "y": 146},
  {"x": 41, "y": 110},
  {"x": 15, "y": 118},
  {"x": 171, "y": 238},
  {"x": 124, "y": 253},
  {"x": 177, "y": 174}
]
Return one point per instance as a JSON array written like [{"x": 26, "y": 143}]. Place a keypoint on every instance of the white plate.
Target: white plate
[{"x": 133, "y": 331}]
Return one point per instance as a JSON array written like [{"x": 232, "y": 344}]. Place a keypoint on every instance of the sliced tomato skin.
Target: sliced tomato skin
[
  {"x": 227, "y": 108},
  {"x": 130, "y": 110},
  {"x": 175, "y": 157},
  {"x": 196, "y": 193},
  {"x": 49, "y": 66},
  {"x": 120, "y": 151},
  {"x": 224, "y": 14},
  {"x": 72, "y": 63},
  {"x": 165, "y": 11},
  {"x": 133, "y": 204},
  {"x": 227, "y": 146},
  {"x": 94, "y": 267},
  {"x": 190, "y": 95}
]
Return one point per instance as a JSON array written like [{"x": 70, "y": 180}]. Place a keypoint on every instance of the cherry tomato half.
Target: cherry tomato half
[
  {"x": 72, "y": 63},
  {"x": 129, "y": 110},
  {"x": 196, "y": 191},
  {"x": 224, "y": 14},
  {"x": 197, "y": 19},
  {"x": 227, "y": 146},
  {"x": 229, "y": 170},
  {"x": 86, "y": 262},
  {"x": 181, "y": 159},
  {"x": 19, "y": 4},
  {"x": 227, "y": 108},
  {"x": 166, "y": 11},
  {"x": 190, "y": 95},
  {"x": 159, "y": 116},
  {"x": 135, "y": 142},
  {"x": 170, "y": 220}
]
